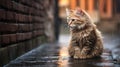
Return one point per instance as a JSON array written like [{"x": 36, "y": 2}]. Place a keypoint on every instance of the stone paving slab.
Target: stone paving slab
[{"x": 56, "y": 55}]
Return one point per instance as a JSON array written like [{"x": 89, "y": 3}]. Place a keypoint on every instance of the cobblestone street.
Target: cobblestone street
[{"x": 56, "y": 55}]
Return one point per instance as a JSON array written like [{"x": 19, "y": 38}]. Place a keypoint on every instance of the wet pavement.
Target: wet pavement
[{"x": 56, "y": 55}]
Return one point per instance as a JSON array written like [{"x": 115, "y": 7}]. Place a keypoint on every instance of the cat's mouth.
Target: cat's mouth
[{"x": 73, "y": 28}]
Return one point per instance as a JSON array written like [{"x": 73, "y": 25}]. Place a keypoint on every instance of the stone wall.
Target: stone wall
[{"x": 24, "y": 26}]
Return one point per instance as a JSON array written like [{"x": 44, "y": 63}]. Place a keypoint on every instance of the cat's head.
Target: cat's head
[{"x": 77, "y": 19}]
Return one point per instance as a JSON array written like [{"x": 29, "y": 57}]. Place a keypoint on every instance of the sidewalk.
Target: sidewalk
[{"x": 56, "y": 55}]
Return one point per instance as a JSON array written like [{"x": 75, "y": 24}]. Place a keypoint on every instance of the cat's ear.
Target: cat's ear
[
  {"x": 68, "y": 11},
  {"x": 79, "y": 12},
  {"x": 87, "y": 15}
]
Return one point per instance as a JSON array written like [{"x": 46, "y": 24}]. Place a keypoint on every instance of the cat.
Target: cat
[{"x": 86, "y": 40}]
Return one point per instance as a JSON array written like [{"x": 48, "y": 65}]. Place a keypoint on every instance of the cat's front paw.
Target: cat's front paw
[
  {"x": 83, "y": 53},
  {"x": 82, "y": 57},
  {"x": 77, "y": 52},
  {"x": 75, "y": 57}
]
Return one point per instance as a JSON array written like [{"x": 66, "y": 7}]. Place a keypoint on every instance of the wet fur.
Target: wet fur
[{"x": 86, "y": 42}]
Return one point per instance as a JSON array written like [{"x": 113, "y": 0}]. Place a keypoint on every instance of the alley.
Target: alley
[
  {"x": 30, "y": 32},
  {"x": 56, "y": 55}
]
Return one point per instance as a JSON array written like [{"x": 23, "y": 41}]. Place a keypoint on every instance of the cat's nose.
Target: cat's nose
[{"x": 69, "y": 23}]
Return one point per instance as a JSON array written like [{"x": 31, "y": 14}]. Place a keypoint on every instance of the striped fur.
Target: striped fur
[{"x": 86, "y": 41}]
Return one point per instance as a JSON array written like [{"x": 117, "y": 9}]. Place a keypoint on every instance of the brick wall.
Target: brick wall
[{"x": 22, "y": 26}]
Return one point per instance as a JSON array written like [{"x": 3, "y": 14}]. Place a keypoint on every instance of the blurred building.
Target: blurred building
[
  {"x": 99, "y": 10},
  {"x": 104, "y": 9}
]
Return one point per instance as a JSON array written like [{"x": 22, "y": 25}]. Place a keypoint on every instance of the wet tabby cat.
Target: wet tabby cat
[{"x": 86, "y": 41}]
